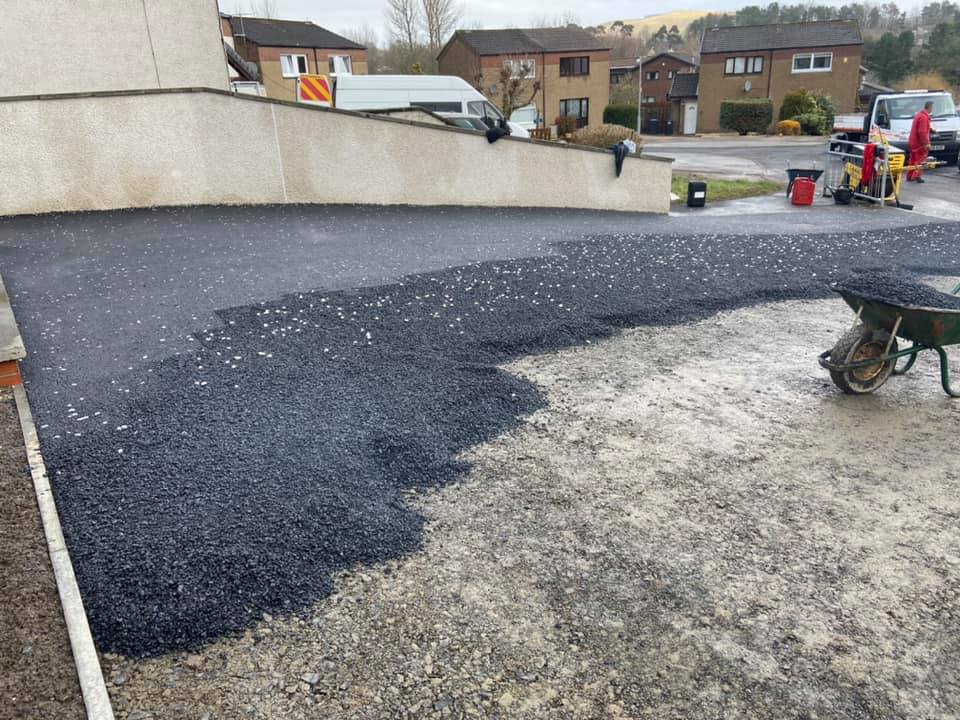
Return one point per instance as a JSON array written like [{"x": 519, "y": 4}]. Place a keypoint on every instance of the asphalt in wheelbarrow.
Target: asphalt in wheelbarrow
[{"x": 898, "y": 288}]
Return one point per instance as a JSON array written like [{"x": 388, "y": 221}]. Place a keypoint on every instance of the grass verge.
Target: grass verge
[{"x": 725, "y": 189}]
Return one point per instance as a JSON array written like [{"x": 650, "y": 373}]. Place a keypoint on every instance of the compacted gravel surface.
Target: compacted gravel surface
[
  {"x": 236, "y": 473},
  {"x": 38, "y": 680},
  {"x": 695, "y": 525}
]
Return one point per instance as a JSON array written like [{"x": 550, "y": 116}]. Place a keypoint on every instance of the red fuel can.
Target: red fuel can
[{"x": 804, "y": 190}]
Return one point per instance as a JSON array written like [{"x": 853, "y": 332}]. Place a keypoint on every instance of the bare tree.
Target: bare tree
[
  {"x": 367, "y": 36},
  {"x": 518, "y": 84},
  {"x": 440, "y": 18},
  {"x": 403, "y": 20}
]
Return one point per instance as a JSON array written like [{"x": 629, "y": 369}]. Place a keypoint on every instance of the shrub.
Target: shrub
[
  {"x": 788, "y": 127},
  {"x": 625, "y": 115},
  {"x": 745, "y": 115},
  {"x": 798, "y": 102},
  {"x": 603, "y": 136},
  {"x": 565, "y": 125},
  {"x": 826, "y": 108},
  {"x": 812, "y": 123}
]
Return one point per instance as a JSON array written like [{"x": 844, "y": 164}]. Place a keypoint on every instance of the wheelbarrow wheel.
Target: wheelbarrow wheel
[{"x": 859, "y": 344}]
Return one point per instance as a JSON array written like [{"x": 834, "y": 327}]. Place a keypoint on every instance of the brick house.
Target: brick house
[
  {"x": 768, "y": 61},
  {"x": 284, "y": 49},
  {"x": 571, "y": 65},
  {"x": 658, "y": 72}
]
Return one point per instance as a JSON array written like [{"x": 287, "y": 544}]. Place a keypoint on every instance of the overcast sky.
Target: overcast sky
[
  {"x": 488, "y": 13},
  {"x": 491, "y": 13}
]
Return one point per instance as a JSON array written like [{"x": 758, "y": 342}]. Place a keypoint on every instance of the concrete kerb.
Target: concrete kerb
[{"x": 92, "y": 686}]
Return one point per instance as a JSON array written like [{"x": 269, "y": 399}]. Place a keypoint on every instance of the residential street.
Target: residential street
[{"x": 768, "y": 157}]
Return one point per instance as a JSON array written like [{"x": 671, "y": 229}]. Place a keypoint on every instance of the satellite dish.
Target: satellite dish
[{"x": 747, "y": 86}]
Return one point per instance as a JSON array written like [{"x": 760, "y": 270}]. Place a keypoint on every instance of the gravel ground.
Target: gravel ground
[
  {"x": 693, "y": 524},
  {"x": 209, "y": 487},
  {"x": 38, "y": 680}
]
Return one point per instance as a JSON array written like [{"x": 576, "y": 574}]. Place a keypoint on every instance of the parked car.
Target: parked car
[
  {"x": 526, "y": 117},
  {"x": 437, "y": 93}
]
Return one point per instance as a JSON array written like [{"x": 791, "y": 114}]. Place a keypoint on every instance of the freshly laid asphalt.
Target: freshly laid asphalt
[{"x": 234, "y": 402}]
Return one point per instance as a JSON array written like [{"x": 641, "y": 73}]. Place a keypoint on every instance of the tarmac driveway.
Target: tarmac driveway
[{"x": 234, "y": 404}]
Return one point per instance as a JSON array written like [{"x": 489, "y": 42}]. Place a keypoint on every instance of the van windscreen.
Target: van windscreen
[
  {"x": 438, "y": 106},
  {"x": 905, "y": 107}
]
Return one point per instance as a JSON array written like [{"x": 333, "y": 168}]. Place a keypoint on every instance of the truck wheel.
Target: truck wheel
[{"x": 858, "y": 344}]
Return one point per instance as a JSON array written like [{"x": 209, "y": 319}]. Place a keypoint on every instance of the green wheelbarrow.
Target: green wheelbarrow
[{"x": 867, "y": 354}]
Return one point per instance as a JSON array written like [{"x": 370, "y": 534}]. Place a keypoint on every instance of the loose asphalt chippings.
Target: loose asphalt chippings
[{"x": 208, "y": 487}]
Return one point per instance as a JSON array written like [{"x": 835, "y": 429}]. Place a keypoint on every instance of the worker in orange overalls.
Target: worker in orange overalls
[{"x": 920, "y": 141}]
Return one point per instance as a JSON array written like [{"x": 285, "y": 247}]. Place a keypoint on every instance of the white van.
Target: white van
[
  {"x": 893, "y": 114},
  {"x": 438, "y": 93}
]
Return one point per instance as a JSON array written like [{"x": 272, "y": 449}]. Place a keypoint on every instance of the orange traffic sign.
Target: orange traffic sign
[{"x": 314, "y": 89}]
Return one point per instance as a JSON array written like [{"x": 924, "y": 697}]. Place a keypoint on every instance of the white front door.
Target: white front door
[{"x": 690, "y": 118}]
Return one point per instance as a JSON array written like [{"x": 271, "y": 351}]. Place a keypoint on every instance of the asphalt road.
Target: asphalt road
[{"x": 234, "y": 402}]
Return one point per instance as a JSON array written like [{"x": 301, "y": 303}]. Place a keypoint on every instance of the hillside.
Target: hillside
[{"x": 652, "y": 23}]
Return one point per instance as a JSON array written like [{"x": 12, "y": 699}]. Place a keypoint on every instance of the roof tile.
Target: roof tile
[
  {"x": 781, "y": 36},
  {"x": 289, "y": 33},
  {"x": 531, "y": 40}
]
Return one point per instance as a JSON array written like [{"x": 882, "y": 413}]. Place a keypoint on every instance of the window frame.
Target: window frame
[
  {"x": 295, "y": 64},
  {"x": 530, "y": 63},
  {"x": 583, "y": 110},
  {"x": 581, "y": 66},
  {"x": 651, "y": 75},
  {"x": 751, "y": 64},
  {"x": 812, "y": 57},
  {"x": 331, "y": 67}
]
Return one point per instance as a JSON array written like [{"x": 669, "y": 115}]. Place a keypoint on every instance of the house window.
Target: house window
[
  {"x": 812, "y": 62},
  {"x": 670, "y": 74},
  {"x": 578, "y": 108},
  {"x": 341, "y": 64},
  {"x": 648, "y": 99},
  {"x": 293, "y": 65},
  {"x": 521, "y": 69},
  {"x": 574, "y": 66},
  {"x": 744, "y": 65},
  {"x": 653, "y": 75}
]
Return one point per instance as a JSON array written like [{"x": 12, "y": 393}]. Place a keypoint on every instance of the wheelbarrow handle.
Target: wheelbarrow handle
[{"x": 825, "y": 363}]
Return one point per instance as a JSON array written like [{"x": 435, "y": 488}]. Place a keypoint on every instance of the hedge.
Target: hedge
[
  {"x": 812, "y": 123},
  {"x": 625, "y": 115},
  {"x": 798, "y": 102},
  {"x": 745, "y": 115}
]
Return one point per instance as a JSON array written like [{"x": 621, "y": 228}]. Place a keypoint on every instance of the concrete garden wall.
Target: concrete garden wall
[
  {"x": 200, "y": 146},
  {"x": 63, "y": 46}
]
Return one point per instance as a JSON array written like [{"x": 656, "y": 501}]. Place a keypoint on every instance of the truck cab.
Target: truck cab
[{"x": 891, "y": 115}]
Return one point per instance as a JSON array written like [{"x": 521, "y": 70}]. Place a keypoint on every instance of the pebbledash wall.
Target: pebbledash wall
[
  {"x": 194, "y": 146},
  {"x": 103, "y": 45}
]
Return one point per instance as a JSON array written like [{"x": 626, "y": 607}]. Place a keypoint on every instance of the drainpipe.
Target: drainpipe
[
  {"x": 316, "y": 62},
  {"x": 543, "y": 87},
  {"x": 770, "y": 75}
]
